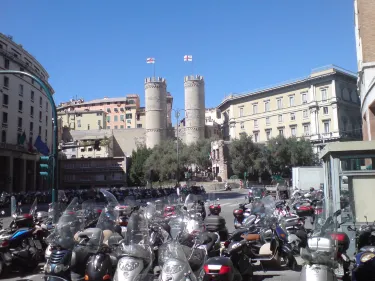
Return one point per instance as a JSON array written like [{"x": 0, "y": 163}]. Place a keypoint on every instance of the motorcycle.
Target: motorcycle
[
  {"x": 325, "y": 249},
  {"x": 180, "y": 262},
  {"x": 240, "y": 214},
  {"x": 20, "y": 244},
  {"x": 102, "y": 243},
  {"x": 364, "y": 261},
  {"x": 232, "y": 265},
  {"x": 135, "y": 253},
  {"x": 227, "y": 187},
  {"x": 214, "y": 222},
  {"x": 62, "y": 242}
]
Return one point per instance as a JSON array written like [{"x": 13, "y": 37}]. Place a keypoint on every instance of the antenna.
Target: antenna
[{"x": 366, "y": 220}]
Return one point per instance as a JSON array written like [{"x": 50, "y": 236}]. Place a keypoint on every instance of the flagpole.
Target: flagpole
[
  {"x": 192, "y": 66},
  {"x": 154, "y": 69}
]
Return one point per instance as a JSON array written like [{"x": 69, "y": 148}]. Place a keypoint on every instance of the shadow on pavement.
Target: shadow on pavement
[{"x": 230, "y": 194}]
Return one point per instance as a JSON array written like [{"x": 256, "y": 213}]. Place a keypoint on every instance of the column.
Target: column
[
  {"x": 312, "y": 93},
  {"x": 333, "y": 89},
  {"x": 33, "y": 184},
  {"x": 317, "y": 121},
  {"x": 23, "y": 175},
  {"x": 335, "y": 122},
  {"x": 9, "y": 175},
  {"x": 313, "y": 125}
]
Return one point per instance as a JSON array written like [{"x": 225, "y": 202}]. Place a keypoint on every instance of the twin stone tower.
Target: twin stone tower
[{"x": 157, "y": 128}]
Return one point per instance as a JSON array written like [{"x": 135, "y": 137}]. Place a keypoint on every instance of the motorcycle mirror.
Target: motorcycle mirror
[
  {"x": 350, "y": 228},
  {"x": 185, "y": 208},
  {"x": 337, "y": 213}
]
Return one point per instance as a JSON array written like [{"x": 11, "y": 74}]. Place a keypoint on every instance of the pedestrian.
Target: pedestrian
[{"x": 241, "y": 184}]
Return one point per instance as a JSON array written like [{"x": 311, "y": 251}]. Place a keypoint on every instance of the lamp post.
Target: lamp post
[
  {"x": 177, "y": 115},
  {"x": 54, "y": 171}
]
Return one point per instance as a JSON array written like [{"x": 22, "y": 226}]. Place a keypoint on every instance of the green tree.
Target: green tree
[
  {"x": 280, "y": 153},
  {"x": 139, "y": 157},
  {"x": 243, "y": 153},
  {"x": 163, "y": 159},
  {"x": 198, "y": 154},
  {"x": 302, "y": 153}
]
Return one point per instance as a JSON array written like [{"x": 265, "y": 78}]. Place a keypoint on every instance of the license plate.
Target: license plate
[
  {"x": 38, "y": 245},
  {"x": 124, "y": 229}
]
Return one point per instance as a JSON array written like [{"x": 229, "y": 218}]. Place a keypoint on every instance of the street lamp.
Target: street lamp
[
  {"x": 177, "y": 115},
  {"x": 54, "y": 171}
]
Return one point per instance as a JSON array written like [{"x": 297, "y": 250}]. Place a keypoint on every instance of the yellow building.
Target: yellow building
[
  {"x": 323, "y": 107},
  {"x": 83, "y": 120}
]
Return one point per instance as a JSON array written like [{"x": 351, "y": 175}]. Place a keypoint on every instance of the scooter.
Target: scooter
[
  {"x": 231, "y": 265},
  {"x": 364, "y": 261}
]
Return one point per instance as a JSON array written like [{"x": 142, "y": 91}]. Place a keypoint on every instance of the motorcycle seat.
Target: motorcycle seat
[{"x": 250, "y": 237}]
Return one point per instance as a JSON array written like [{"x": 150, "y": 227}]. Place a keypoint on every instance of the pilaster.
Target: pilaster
[
  {"x": 23, "y": 175},
  {"x": 335, "y": 123},
  {"x": 9, "y": 175}
]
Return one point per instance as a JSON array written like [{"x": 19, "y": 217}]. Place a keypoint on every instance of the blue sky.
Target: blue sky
[{"x": 97, "y": 48}]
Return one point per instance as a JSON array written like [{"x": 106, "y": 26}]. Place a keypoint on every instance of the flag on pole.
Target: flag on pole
[
  {"x": 150, "y": 60},
  {"x": 188, "y": 58},
  {"x": 22, "y": 138},
  {"x": 41, "y": 146}
]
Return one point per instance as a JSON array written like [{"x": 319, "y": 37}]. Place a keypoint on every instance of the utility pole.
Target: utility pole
[
  {"x": 54, "y": 162},
  {"x": 178, "y": 140},
  {"x": 177, "y": 115}
]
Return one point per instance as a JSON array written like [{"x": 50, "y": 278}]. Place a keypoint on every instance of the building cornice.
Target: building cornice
[{"x": 286, "y": 85}]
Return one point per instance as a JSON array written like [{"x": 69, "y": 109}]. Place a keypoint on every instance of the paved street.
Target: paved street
[{"x": 228, "y": 201}]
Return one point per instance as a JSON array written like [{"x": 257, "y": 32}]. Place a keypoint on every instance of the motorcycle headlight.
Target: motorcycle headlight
[
  {"x": 172, "y": 268},
  {"x": 58, "y": 268},
  {"x": 48, "y": 268},
  {"x": 128, "y": 266},
  {"x": 367, "y": 256}
]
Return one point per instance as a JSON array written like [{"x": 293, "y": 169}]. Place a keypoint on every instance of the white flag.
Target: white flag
[
  {"x": 188, "y": 58},
  {"x": 150, "y": 60}
]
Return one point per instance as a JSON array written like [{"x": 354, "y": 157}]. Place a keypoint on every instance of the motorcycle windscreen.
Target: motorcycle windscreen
[
  {"x": 67, "y": 226},
  {"x": 90, "y": 211},
  {"x": 136, "y": 244},
  {"x": 173, "y": 259},
  {"x": 191, "y": 204},
  {"x": 13, "y": 206},
  {"x": 33, "y": 207},
  {"x": 108, "y": 218}
]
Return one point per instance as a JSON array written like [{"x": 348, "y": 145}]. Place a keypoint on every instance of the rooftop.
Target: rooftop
[
  {"x": 103, "y": 100},
  {"x": 355, "y": 148},
  {"x": 315, "y": 73},
  {"x": 9, "y": 39}
]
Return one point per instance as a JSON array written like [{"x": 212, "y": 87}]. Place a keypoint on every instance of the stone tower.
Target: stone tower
[
  {"x": 156, "y": 106},
  {"x": 194, "y": 108}
]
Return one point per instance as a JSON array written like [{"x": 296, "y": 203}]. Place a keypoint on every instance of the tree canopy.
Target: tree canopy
[{"x": 277, "y": 155}]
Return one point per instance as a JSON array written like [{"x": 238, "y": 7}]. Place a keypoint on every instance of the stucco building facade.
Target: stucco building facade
[
  {"x": 322, "y": 107},
  {"x": 365, "y": 42},
  {"x": 25, "y": 110}
]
